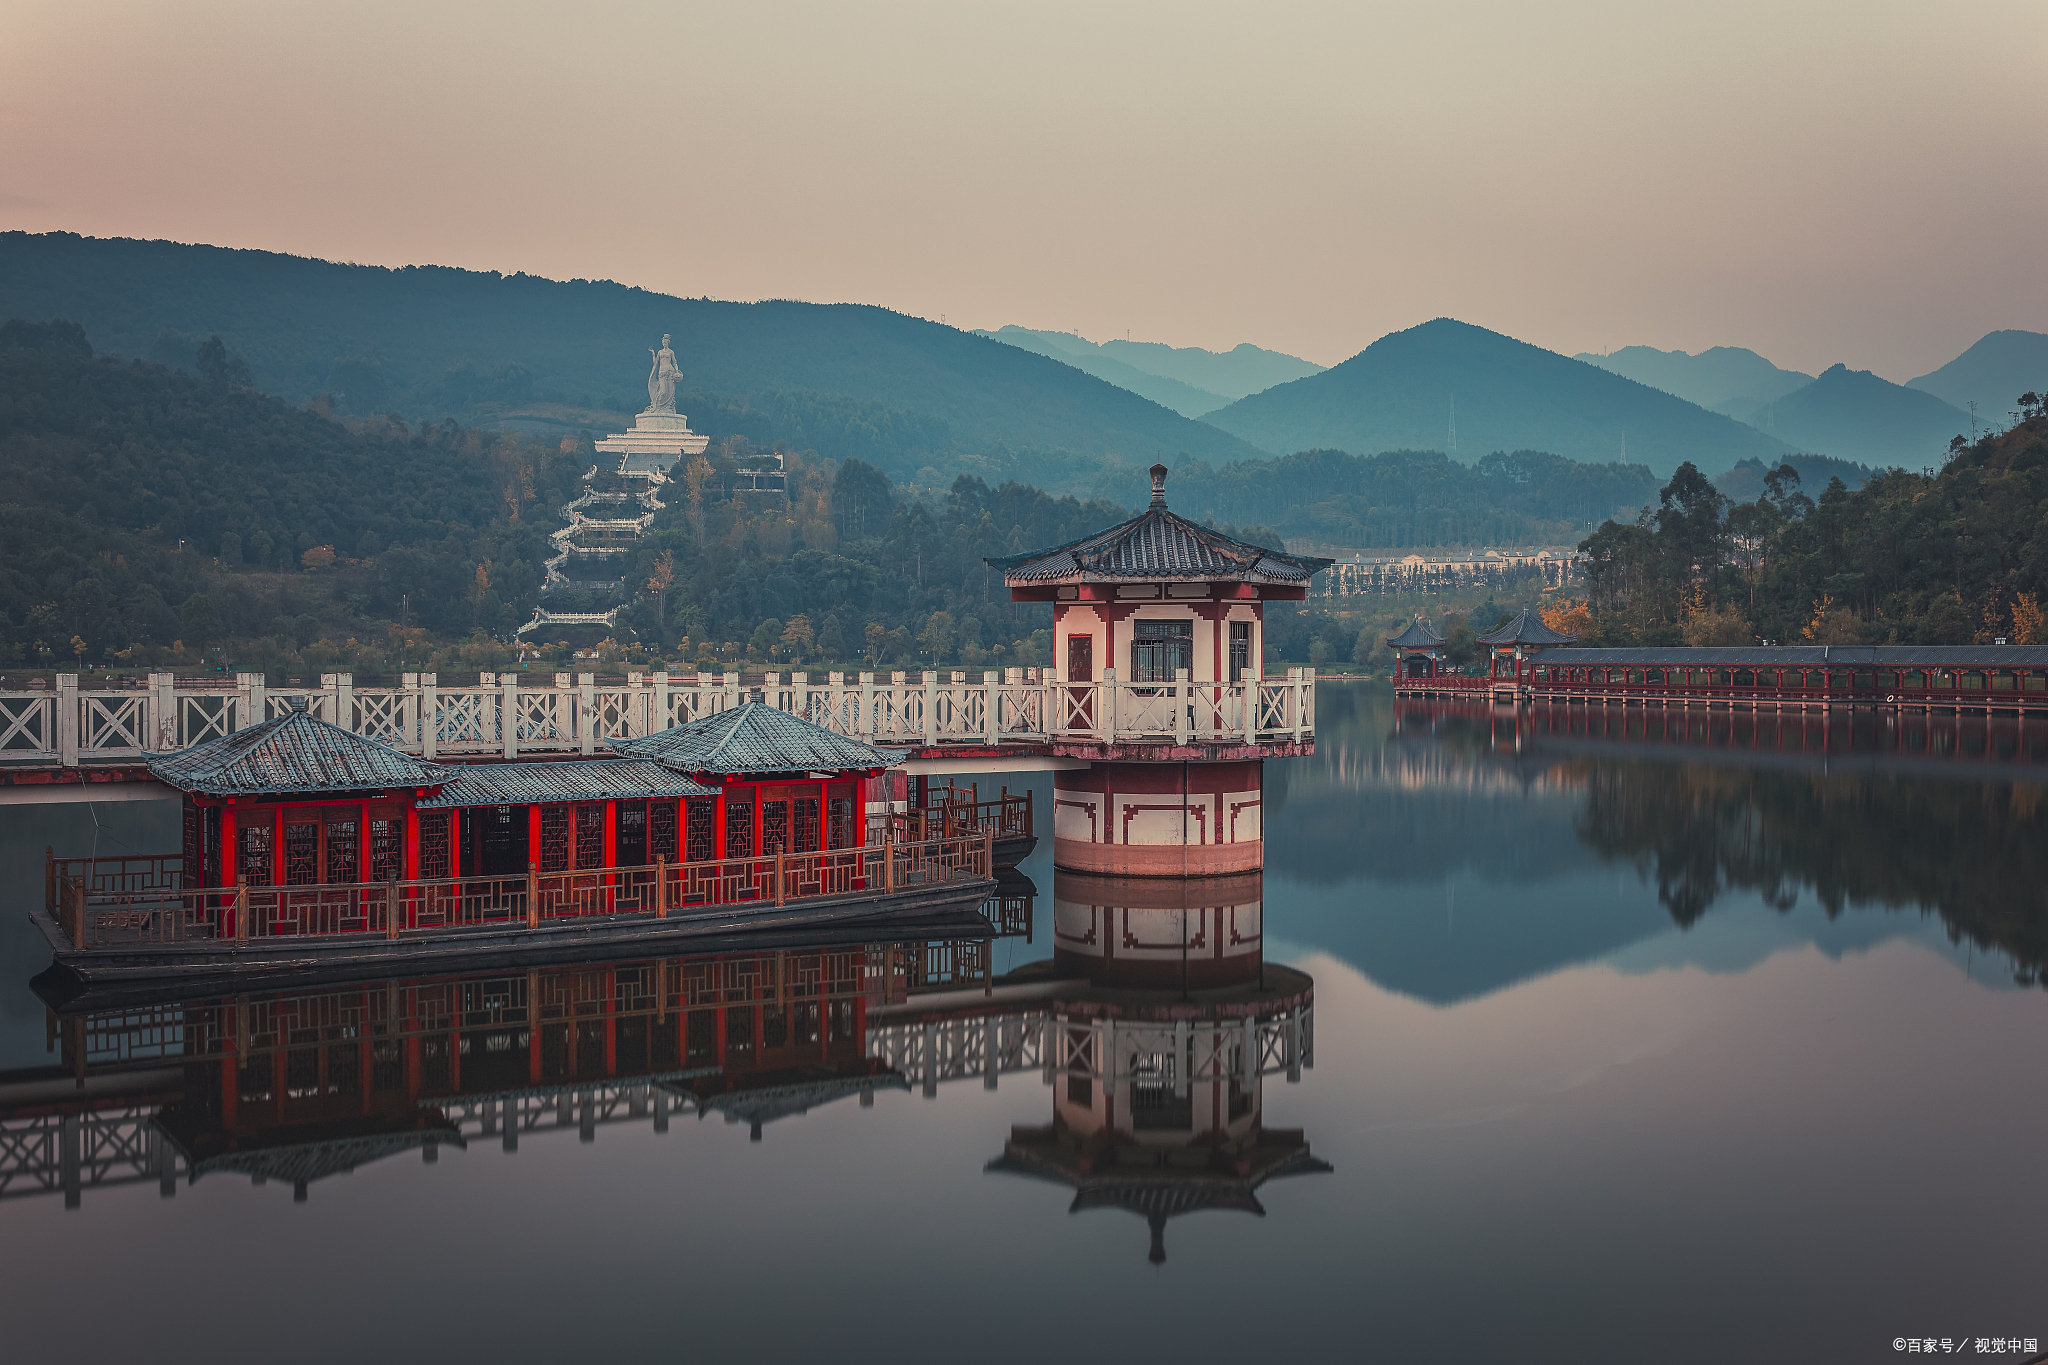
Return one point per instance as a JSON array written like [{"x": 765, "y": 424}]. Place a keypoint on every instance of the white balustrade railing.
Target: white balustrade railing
[{"x": 506, "y": 715}]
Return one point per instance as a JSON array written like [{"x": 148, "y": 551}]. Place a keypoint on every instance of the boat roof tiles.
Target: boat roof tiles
[
  {"x": 1420, "y": 634},
  {"x": 529, "y": 784},
  {"x": 296, "y": 752},
  {"x": 1526, "y": 628},
  {"x": 1157, "y": 544},
  {"x": 755, "y": 737},
  {"x": 1817, "y": 656}
]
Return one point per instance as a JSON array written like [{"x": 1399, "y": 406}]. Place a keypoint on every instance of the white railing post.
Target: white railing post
[
  {"x": 732, "y": 690},
  {"x": 867, "y": 707},
  {"x": 931, "y": 707},
  {"x": 1180, "y": 706},
  {"x": 328, "y": 682},
  {"x": 245, "y": 713},
  {"x": 67, "y": 719},
  {"x": 586, "y": 713},
  {"x": 1308, "y": 703},
  {"x": 658, "y": 721},
  {"x": 163, "y": 689},
  {"x": 259, "y": 700},
  {"x": 508, "y": 712},
  {"x": 992, "y": 690},
  {"x": 1249, "y": 717},
  {"x": 430, "y": 717},
  {"x": 1301, "y": 678},
  {"x": 345, "y": 701},
  {"x": 409, "y": 709},
  {"x": 800, "y": 694},
  {"x": 1105, "y": 714}
]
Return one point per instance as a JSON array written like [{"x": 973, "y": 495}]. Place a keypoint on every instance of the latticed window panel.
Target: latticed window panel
[
  {"x": 115, "y": 726},
  {"x": 252, "y": 855},
  {"x": 344, "y": 851},
  {"x": 613, "y": 713},
  {"x": 540, "y": 716},
  {"x": 774, "y": 827},
  {"x": 700, "y": 831},
  {"x": 194, "y": 846},
  {"x": 203, "y": 718},
  {"x": 589, "y": 835},
  {"x": 839, "y": 822},
  {"x": 387, "y": 849},
  {"x": 301, "y": 853},
  {"x": 554, "y": 838},
  {"x": 661, "y": 830},
  {"x": 739, "y": 829},
  {"x": 806, "y": 825},
  {"x": 434, "y": 843}
]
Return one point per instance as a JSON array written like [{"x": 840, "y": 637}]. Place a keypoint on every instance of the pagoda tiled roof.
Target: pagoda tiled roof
[
  {"x": 1155, "y": 545},
  {"x": 755, "y": 737},
  {"x": 528, "y": 784},
  {"x": 1526, "y": 628},
  {"x": 296, "y": 752},
  {"x": 1420, "y": 634}
]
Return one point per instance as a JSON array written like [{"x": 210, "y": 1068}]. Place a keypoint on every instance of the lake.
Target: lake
[{"x": 1633, "y": 1037}]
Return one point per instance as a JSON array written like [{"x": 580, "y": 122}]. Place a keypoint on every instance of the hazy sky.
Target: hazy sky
[{"x": 1859, "y": 182}]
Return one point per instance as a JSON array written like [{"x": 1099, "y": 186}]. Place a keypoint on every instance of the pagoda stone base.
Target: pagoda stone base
[{"x": 1158, "y": 819}]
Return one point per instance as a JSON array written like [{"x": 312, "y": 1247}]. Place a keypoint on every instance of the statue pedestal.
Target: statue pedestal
[{"x": 657, "y": 441}]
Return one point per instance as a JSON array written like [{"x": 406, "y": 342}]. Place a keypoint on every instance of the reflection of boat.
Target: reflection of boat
[{"x": 295, "y": 1086}]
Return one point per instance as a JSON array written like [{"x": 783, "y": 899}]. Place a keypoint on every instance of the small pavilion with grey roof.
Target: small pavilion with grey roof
[{"x": 1418, "y": 650}]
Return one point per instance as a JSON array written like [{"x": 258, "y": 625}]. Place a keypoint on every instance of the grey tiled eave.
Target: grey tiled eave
[
  {"x": 756, "y": 738},
  {"x": 1153, "y": 546}
]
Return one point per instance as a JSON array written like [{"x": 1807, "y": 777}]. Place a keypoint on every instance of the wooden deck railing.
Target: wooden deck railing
[{"x": 156, "y": 910}]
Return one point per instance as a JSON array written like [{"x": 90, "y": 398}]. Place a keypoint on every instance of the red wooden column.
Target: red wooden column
[
  {"x": 533, "y": 835},
  {"x": 860, "y": 810},
  {"x": 228, "y": 867},
  {"x": 611, "y": 849},
  {"x": 277, "y": 847},
  {"x": 718, "y": 825},
  {"x": 363, "y": 842}
]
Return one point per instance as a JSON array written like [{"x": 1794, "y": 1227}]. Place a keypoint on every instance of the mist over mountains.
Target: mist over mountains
[
  {"x": 1996, "y": 369},
  {"x": 1188, "y": 379},
  {"x": 1731, "y": 380}
]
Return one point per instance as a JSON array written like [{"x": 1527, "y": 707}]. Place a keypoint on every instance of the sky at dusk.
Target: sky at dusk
[{"x": 1857, "y": 182}]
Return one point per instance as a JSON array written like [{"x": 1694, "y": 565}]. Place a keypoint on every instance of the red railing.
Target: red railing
[
  {"x": 99, "y": 916},
  {"x": 1448, "y": 683}
]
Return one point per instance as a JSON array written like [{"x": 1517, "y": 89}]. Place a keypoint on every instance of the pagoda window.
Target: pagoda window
[
  {"x": 774, "y": 823},
  {"x": 839, "y": 820},
  {"x": 804, "y": 813},
  {"x": 1240, "y": 650},
  {"x": 344, "y": 852},
  {"x": 1160, "y": 648},
  {"x": 301, "y": 852}
]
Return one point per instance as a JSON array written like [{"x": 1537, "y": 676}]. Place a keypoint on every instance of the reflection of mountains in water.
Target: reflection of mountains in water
[
  {"x": 1936, "y": 813},
  {"x": 1155, "y": 1068}
]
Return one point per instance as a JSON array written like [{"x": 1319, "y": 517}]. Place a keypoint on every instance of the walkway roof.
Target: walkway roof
[
  {"x": 532, "y": 784},
  {"x": 756, "y": 738},
  {"x": 1817, "y": 656}
]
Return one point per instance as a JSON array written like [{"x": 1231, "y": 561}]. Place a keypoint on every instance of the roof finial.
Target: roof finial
[
  {"x": 1159, "y": 485},
  {"x": 298, "y": 704}
]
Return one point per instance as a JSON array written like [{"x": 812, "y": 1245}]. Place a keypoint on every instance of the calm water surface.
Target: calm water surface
[{"x": 1701, "y": 1040}]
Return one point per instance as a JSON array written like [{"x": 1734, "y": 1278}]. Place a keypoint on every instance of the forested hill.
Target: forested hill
[
  {"x": 430, "y": 342},
  {"x": 126, "y": 489},
  {"x": 1397, "y": 394},
  {"x": 1415, "y": 498}
]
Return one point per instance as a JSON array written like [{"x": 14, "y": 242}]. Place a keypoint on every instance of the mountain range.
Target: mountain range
[
  {"x": 1731, "y": 380},
  {"x": 1188, "y": 379},
  {"x": 1994, "y": 372},
  {"x": 1448, "y": 385},
  {"x": 430, "y": 342}
]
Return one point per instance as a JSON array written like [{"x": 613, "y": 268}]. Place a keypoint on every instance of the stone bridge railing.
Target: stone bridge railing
[{"x": 506, "y": 715}]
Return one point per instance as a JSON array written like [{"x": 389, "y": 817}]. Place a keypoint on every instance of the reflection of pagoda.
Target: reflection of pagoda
[{"x": 1154, "y": 1024}]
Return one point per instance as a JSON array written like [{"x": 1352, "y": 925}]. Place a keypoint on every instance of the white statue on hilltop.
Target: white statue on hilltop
[{"x": 662, "y": 379}]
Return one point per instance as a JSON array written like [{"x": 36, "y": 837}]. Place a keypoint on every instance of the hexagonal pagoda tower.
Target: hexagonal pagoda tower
[{"x": 1169, "y": 615}]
